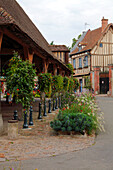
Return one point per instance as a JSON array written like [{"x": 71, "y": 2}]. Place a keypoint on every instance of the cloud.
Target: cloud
[{"x": 62, "y": 20}]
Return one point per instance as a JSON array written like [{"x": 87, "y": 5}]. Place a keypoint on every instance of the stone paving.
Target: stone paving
[{"x": 40, "y": 141}]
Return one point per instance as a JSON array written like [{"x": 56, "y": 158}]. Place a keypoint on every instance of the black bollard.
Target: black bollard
[
  {"x": 53, "y": 105},
  {"x": 40, "y": 116},
  {"x": 56, "y": 107},
  {"x": 30, "y": 116},
  {"x": 45, "y": 114},
  {"x": 25, "y": 125},
  {"x": 15, "y": 115},
  {"x": 59, "y": 102},
  {"x": 49, "y": 111}
]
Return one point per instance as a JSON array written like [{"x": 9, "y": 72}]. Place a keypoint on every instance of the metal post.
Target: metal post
[
  {"x": 15, "y": 115},
  {"x": 45, "y": 114},
  {"x": 53, "y": 105},
  {"x": 40, "y": 116},
  {"x": 30, "y": 116},
  {"x": 25, "y": 125},
  {"x": 56, "y": 107},
  {"x": 49, "y": 111}
]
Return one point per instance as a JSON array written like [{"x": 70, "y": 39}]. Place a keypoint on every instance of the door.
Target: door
[{"x": 104, "y": 85}]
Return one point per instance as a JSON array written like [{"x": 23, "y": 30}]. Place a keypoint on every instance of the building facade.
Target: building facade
[
  {"x": 93, "y": 56},
  {"x": 61, "y": 52}
]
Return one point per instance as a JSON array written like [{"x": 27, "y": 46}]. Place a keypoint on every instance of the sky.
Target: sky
[{"x": 62, "y": 20}]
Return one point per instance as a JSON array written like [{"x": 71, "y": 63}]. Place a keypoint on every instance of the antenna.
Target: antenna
[{"x": 86, "y": 25}]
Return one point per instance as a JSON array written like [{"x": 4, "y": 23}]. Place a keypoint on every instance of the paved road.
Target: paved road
[{"x": 97, "y": 157}]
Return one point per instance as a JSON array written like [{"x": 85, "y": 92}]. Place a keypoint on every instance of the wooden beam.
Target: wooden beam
[
  {"x": 12, "y": 36},
  {"x": 1, "y": 37},
  {"x": 9, "y": 51}
]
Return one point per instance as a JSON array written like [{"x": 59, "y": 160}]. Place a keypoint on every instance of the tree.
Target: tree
[
  {"x": 79, "y": 36},
  {"x": 52, "y": 43},
  {"x": 20, "y": 80},
  {"x": 73, "y": 42},
  {"x": 70, "y": 66}
]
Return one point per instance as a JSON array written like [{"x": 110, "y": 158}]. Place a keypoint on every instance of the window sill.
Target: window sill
[{"x": 85, "y": 66}]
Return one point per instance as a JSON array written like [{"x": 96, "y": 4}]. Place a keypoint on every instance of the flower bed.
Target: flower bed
[{"x": 80, "y": 117}]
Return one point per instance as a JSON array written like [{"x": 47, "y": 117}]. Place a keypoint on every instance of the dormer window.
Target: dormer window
[
  {"x": 101, "y": 45},
  {"x": 80, "y": 48}
]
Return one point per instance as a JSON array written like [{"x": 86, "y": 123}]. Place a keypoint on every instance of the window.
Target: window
[
  {"x": 74, "y": 63},
  {"x": 85, "y": 61},
  {"x": 80, "y": 62},
  {"x": 101, "y": 45}
]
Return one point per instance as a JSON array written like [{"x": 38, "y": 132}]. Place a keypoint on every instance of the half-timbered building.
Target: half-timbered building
[
  {"x": 61, "y": 52},
  {"x": 93, "y": 58}
]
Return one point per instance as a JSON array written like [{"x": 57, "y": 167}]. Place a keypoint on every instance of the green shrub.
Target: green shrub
[
  {"x": 57, "y": 84},
  {"x": 73, "y": 122},
  {"x": 71, "y": 85},
  {"x": 37, "y": 96},
  {"x": 76, "y": 84},
  {"x": 20, "y": 80},
  {"x": 45, "y": 81},
  {"x": 66, "y": 83},
  {"x": 67, "y": 99}
]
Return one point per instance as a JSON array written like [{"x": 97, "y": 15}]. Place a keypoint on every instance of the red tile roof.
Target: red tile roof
[{"x": 91, "y": 38}]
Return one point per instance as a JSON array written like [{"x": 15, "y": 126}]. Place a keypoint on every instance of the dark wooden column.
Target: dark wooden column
[
  {"x": 1, "y": 37},
  {"x": 30, "y": 55},
  {"x": 55, "y": 69}
]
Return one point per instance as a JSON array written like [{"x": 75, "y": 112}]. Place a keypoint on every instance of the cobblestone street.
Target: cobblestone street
[{"x": 40, "y": 141}]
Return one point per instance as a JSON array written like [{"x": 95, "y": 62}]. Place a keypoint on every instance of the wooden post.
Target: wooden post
[
  {"x": 25, "y": 53},
  {"x": 96, "y": 80},
  {"x": 46, "y": 64},
  {"x": 55, "y": 70},
  {"x": 28, "y": 54},
  {"x": 1, "y": 119},
  {"x": 1, "y": 38}
]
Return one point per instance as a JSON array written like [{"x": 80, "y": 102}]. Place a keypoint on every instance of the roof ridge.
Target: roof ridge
[{"x": 6, "y": 15}]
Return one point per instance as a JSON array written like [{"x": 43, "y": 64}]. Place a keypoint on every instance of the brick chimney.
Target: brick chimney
[{"x": 104, "y": 23}]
